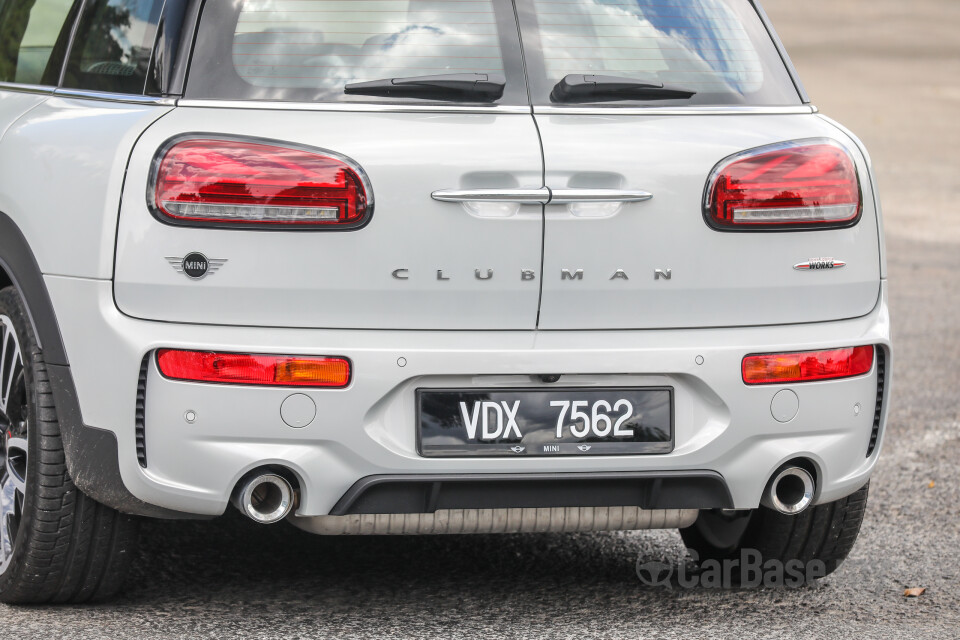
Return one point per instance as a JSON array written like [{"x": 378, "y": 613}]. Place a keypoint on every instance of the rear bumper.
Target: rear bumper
[{"x": 722, "y": 426}]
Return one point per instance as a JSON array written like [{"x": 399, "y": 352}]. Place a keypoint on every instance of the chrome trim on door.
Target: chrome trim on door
[
  {"x": 26, "y": 88},
  {"x": 104, "y": 96},
  {"x": 351, "y": 106},
  {"x": 569, "y": 196},
  {"x": 672, "y": 111},
  {"x": 543, "y": 195},
  {"x": 495, "y": 109},
  {"x": 526, "y": 196}
]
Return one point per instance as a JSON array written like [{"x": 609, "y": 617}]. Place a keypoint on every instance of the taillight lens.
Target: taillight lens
[
  {"x": 266, "y": 370},
  {"x": 807, "y": 366},
  {"x": 794, "y": 185},
  {"x": 238, "y": 183}
]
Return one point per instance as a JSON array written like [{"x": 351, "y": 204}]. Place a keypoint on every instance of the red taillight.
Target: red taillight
[
  {"x": 794, "y": 185},
  {"x": 238, "y": 368},
  {"x": 807, "y": 366},
  {"x": 233, "y": 182}
]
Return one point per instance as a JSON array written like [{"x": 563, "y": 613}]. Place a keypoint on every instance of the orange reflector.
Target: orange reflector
[
  {"x": 266, "y": 370},
  {"x": 807, "y": 366}
]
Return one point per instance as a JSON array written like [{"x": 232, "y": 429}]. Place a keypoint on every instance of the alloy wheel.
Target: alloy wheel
[{"x": 13, "y": 440}]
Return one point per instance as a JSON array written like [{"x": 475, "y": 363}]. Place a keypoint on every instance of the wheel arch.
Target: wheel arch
[
  {"x": 92, "y": 455},
  {"x": 19, "y": 268}
]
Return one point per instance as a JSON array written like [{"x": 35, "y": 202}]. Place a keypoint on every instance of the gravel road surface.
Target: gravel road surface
[{"x": 888, "y": 70}]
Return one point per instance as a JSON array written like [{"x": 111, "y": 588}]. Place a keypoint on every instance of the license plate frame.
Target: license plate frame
[{"x": 571, "y": 445}]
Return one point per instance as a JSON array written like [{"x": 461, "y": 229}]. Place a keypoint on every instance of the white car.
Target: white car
[{"x": 427, "y": 266}]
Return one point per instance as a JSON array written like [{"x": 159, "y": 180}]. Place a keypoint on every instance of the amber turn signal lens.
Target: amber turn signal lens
[{"x": 324, "y": 372}]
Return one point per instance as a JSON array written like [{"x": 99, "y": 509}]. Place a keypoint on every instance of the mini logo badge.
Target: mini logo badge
[
  {"x": 584, "y": 447},
  {"x": 195, "y": 265},
  {"x": 518, "y": 449},
  {"x": 819, "y": 264}
]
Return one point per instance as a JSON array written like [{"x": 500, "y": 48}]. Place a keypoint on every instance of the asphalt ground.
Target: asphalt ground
[{"x": 888, "y": 70}]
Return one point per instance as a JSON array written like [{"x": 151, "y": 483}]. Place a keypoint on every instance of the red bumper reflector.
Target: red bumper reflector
[
  {"x": 807, "y": 366},
  {"x": 266, "y": 370}
]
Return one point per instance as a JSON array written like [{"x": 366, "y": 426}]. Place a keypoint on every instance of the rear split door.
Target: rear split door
[
  {"x": 637, "y": 103},
  {"x": 272, "y": 75}
]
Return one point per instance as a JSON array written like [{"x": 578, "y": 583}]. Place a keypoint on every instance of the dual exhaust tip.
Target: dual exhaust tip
[
  {"x": 790, "y": 490},
  {"x": 265, "y": 497}
]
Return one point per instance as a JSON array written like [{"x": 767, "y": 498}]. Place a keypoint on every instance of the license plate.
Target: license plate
[{"x": 555, "y": 422}]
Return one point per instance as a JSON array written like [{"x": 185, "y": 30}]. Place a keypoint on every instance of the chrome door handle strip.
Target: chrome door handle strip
[
  {"x": 543, "y": 195},
  {"x": 525, "y": 196},
  {"x": 569, "y": 196}
]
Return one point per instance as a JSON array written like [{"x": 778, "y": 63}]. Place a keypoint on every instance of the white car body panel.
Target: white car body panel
[
  {"x": 14, "y": 104},
  {"x": 63, "y": 166},
  {"x": 869, "y": 182},
  {"x": 334, "y": 279},
  {"x": 716, "y": 278},
  {"x": 369, "y": 427},
  {"x": 433, "y": 295}
]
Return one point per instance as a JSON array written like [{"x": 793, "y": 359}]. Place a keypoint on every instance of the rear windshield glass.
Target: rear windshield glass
[
  {"x": 719, "y": 49},
  {"x": 310, "y": 49}
]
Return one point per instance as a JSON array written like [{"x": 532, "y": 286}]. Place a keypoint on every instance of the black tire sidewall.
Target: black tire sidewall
[
  {"x": 824, "y": 532},
  {"x": 11, "y": 305},
  {"x": 695, "y": 538}
]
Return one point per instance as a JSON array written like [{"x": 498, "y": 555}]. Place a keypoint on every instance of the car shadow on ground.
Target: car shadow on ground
[
  {"x": 231, "y": 561},
  {"x": 234, "y": 554}
]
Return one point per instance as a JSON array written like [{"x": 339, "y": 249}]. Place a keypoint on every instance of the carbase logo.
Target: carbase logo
[{"x": 749, "y": 571}]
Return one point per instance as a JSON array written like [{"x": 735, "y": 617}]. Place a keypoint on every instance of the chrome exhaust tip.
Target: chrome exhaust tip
[
  {"x": 790, "y": 490},
  {"x": 265, "y": 498}
]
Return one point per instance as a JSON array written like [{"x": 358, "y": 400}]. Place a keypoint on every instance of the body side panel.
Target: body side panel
[
  {"x": 873, "y": 187},
  {"x": 16, "y": 256},
  {"x": 63, "y": 166}
]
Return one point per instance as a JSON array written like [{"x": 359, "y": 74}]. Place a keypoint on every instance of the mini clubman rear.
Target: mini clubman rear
[{"x": 428, "y": 267}]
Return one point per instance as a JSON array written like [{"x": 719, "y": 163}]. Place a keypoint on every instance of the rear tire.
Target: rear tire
[
  {"x": 825, "y": 532},
  {"x": 56, "y": 544}
]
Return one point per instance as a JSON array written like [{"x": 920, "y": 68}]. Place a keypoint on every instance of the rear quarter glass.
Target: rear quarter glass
[
  {"x": 33, "y": 39},
  {"x": 113, "y": 45},
  {"x": 306, "y": 51}
]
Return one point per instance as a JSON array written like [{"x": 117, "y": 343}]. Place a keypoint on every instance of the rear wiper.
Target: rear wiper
[
  {"x": 481, "y": 87},
  {"x": 577, "y": 87}
]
